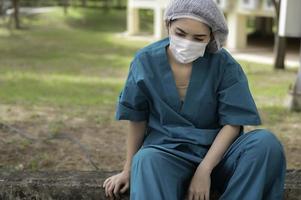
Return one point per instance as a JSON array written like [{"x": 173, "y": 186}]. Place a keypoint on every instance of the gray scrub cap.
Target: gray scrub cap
[{"x": 205, "y": 11}]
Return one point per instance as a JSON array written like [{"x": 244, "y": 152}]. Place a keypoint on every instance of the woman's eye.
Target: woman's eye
[
  {"x": 199, "y": 40},
  {"x": 180, "y": 34}
]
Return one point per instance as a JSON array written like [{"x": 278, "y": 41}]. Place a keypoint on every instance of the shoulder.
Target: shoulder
[
  {"x": 152, "y": 49},
  {"x": 229, "y": 69},
  {"x": 227, "y": 64},
  {"x": 225, "y": 58},
  {"x": 146, "y": 58}
]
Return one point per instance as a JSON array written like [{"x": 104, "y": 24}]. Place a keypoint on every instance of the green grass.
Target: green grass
[
  {"x": 78, "y": 61},
  {"x": 269, "y": 86},
  {"x": 72, "y": 60}
]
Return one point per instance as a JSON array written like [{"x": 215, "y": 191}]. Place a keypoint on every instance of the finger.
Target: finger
[
  {"x": 111, "y": 188},
  {"x": 198, "y": 196},
  {"x": 207, "y": 195},
  {"x": 107, "y": 188},
  {"x": 116, "y": 191},
  {"x": 202, "y": 197},
  {"x": 105, "y": 182},
  {"x": 124, "y": 188}
]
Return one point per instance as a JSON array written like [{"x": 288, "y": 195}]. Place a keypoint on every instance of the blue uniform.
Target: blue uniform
[{"x": 179, "y": 134}]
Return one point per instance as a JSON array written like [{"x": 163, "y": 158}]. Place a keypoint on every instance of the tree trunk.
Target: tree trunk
[
  {"x": 105, "y": 4},
  {"x": 296, "y": 101},
  {"x": 119, "y": 4},
  {"x": 279, "y": 52},
  {"x": 16, "y": 13},
  {"x": 66, "y": 4},
  {"x": 280, "y": 42},
  {"x": 1, "y": 7},
  {"x": 84, "y": 3}
]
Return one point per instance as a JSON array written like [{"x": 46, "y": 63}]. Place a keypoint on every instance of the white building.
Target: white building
[{"x": 236, "y": 12}]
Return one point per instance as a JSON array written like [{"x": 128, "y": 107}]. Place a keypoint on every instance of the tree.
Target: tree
[
  {"x": 84, "y": 3},
  {"x": 16, "y": 4},
  {"x": 66, "y": 5},
  {"x": 296, "y": 91},
  {"x": 280, "y": 42}
]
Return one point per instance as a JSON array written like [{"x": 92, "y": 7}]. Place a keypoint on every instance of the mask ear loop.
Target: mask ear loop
[{"x": 169, "y": 26}]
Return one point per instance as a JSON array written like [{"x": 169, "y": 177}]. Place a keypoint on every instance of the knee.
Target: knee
[
  {"x": 145, "y": 155},
  {"x": 266, "y": 140}
]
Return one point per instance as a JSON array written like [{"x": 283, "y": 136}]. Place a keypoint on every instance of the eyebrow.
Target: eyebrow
[{"x": 198, "y": 35}]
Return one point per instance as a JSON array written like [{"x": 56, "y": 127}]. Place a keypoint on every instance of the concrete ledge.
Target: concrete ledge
[{"x": 77, "y": 185}]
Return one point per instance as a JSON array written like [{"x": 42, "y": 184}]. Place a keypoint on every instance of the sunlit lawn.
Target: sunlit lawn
[
  {"x": 77, "y": 65},
  {"x": 74, "y": 60}
]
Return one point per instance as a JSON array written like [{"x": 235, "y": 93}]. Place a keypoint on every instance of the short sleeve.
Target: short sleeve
[
  {"x": 236, "y": 105},
  {"x": 132, "y": 104}
]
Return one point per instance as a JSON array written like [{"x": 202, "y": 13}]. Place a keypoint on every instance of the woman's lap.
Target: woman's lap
[
  {"x": 157, "y": 174},
  {"x": 256, "y": 159}
]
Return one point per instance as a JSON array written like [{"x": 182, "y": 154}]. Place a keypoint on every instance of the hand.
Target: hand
[
  {"x": 199, "y": 188},
  {"x": 116, "y": 183}
]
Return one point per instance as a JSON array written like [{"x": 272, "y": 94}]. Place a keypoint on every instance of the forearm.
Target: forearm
[
  {"x": 221, "y": 143},
  {"x": 134, "y": 141}
]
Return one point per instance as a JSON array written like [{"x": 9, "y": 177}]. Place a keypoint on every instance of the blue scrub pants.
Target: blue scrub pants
[{"x": 252, "y": 168}]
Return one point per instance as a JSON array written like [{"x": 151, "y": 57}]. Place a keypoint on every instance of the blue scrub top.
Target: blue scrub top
[{"x": 218, "y": 94}]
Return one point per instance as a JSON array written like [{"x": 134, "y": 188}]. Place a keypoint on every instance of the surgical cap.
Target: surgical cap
[{"x": 206, "y": 11}]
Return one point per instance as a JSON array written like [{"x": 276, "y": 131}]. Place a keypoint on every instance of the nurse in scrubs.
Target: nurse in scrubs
[{"x": 187, "y": 101}]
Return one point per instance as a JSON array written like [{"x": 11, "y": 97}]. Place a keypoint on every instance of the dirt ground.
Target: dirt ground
[{"x": 46, "y": 139}]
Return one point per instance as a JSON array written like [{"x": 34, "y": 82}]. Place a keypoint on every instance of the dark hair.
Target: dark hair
[{"x": 168, "y": 22}]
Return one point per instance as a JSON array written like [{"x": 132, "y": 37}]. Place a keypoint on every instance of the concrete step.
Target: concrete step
[{"x": 86, "y": 185}]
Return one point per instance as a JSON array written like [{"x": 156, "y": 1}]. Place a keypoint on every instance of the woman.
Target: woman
[{"x": 187, "y": 100}]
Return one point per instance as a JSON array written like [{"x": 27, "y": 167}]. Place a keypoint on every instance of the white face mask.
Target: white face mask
[{"x": 186, "y": 51}]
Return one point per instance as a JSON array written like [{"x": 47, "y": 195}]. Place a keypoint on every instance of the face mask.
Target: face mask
[{"x": 186, "y": 51}]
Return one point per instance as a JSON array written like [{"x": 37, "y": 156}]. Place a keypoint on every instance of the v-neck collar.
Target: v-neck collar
[{"x": 169, "y": 82}]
